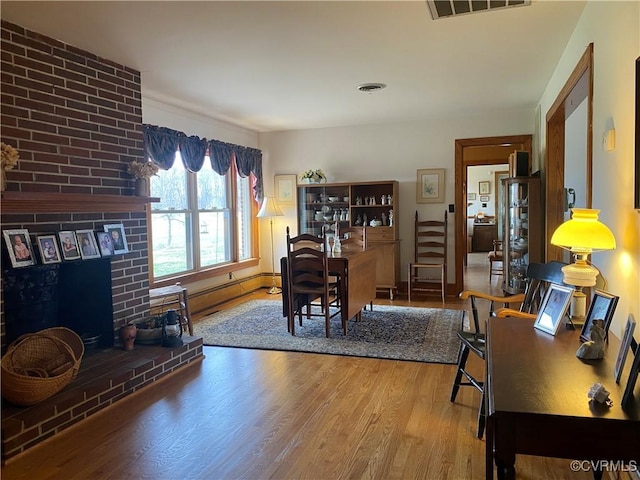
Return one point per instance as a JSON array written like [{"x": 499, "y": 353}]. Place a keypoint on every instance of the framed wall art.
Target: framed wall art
[
  {"x": 88, "y": 245},
  {"x": 285, "y": 189},
  {"x": 484, "y": 187},
  {"x": 553, "y": 308},
  {"x": 48, "y": 247},
  {"x": 117, "y": 237},
  {"x": 430, "y": 186},
  {"x": 69, "y": 245},
  {"x": 484, "y": 198},
  {"x": 602, "y": 307},
  {"x": 19, "y": 247},
  {"x": 471, "y": 196}
]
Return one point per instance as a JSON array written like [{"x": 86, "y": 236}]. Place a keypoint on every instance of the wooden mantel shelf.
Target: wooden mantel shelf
[{"x": 34, "y": 202}]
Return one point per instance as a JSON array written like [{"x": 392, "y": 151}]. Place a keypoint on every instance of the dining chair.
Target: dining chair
[
  {"x": 495, "y": 256},
  {"x": 308, "y": 278},
  {"x": 539, "y": 277},
  {"x": 354, "y": 236},
  {"x": 430, "y": 255}
]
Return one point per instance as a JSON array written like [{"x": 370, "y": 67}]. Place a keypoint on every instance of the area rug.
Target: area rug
[{"x": 400, "y": 333}]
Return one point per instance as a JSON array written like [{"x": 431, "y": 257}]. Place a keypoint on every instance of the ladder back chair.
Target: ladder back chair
[
  {"x": 495, "y": 256},
  {"x": 308, "y": 279},
  {"x": 430, "y": 257},
  {"x": 354, "y": 236},
  {"x": 539, "y": 277}
]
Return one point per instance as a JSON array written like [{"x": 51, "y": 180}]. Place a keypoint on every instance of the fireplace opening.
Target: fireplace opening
[{"x": 76, "y": 295}]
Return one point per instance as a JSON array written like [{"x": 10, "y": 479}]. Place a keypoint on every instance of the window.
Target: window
[{"x": 203, "y": 220}]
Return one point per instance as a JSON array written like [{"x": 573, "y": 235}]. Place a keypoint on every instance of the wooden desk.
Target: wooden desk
[
  {"x": 357, "y": 269},
  {"x": 537, "y": 400}
]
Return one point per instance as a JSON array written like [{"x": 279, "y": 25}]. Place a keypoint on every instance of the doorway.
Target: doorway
[{"x": 474, "y": 152}]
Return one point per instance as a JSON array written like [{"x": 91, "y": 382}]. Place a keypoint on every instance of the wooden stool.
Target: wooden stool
[{"x": 173, "y": 295}]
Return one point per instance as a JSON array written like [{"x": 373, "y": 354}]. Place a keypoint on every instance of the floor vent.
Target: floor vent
[{"x": 451, "y": 8}]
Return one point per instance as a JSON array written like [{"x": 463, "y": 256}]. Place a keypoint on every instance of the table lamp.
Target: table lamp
[
  {"x": 582, "y": 235},
  {"x": 270, "y": 209}
]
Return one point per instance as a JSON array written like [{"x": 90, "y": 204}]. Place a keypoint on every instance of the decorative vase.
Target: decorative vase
[
  {"x": 128, "y": 334},
  {"x": 142, "y": 187}
]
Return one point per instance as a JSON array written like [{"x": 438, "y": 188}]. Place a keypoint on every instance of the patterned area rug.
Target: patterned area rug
[{"x": 401, "y": 333}]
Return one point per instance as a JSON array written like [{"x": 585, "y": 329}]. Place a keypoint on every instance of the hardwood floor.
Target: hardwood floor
[{"x": 255, "y": 414}]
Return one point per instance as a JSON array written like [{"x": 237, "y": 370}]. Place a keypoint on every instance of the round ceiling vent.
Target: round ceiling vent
[{"x": 371, "y": 87}]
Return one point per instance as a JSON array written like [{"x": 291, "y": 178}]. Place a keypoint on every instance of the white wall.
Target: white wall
[
  {"x": 614, "y": 29},
  {"x": 383, "y": 152}
]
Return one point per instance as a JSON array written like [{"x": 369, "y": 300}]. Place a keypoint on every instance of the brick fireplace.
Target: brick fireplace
[{"x": 76, "y": 120}]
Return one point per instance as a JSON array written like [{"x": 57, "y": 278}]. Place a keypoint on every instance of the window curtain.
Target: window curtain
[{"x": 161, "y": 144}]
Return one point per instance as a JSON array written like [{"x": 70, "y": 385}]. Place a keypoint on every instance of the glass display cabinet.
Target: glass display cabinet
[{"x": 523, "y": 230}]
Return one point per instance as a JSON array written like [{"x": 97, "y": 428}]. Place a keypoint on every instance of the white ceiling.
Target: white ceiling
[{"x": 288, "y": 65}]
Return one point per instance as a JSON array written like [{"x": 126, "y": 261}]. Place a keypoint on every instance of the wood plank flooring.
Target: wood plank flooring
[{"x": 255, "y": 414}]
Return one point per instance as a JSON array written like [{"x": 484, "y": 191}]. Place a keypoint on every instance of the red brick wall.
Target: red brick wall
[{"x": 76, "y": 120}]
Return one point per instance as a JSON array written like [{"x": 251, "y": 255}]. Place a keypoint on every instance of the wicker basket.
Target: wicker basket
[
  {"x": 39, "y": 365},
  {"x": 72, "y": 339}
]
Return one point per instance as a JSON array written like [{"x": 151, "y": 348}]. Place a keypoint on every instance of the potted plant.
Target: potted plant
[
  {"x": 10, "y": 158},
  {"x": 149, "y": 330},
  {"x": 142, "y": 171},
  {"x": 313, "y": 176}
]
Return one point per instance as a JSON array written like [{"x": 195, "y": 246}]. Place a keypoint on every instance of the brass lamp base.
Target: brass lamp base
[{"x": 274, "y": 290}]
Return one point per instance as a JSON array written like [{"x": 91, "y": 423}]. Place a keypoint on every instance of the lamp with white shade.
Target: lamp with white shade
[
  {"x": 270, "y": 209},
  {"x": 582, "y": 235}
]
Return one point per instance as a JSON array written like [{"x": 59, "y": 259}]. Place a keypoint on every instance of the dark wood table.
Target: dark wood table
[
  {"x": 357, "y": 270},
  {"x": 537, "y": 400}
]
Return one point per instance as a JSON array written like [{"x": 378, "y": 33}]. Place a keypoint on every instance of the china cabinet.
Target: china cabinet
[
  {"x": 523, "y": 229},
  {"x": 370, "y": 204}
]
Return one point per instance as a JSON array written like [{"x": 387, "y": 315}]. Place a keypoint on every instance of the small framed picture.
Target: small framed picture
[
  {"x": 69, "y": 245},
  {"x": 286, "y": 190},
  {"x": 88, "y": 245},
  {"x": 118, "y": 238},
  {"x": 627, "y": 396},
  {"x": 471, "y": 196},
  {"x": 48, "y": 247},
  {"x": 625, "y": 344},
  {"x": 19, "y": 247},
  {"x": 484, "y": 198},
  {"x": 430, "y": 186},
  {"x": 602, "y": 307},
  {"x": 553, "y": 308},
  {"x": 484, "y": 188},
  {"x": 104, "y": 244}
]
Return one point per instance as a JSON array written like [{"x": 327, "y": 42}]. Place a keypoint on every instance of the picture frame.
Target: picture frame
[
  {"x": 602, "y": 307},
  {"x": 553, "y": 308},
  {"x": 286, "y": 189},
  {"x": 104, "y": 244},
  {"x": 484, "y": 187},
  {"x": 69, "y": 245},
  {"x": 19, "y": 247},
  {"x": 484, "y": 198},
  {"x": 118, "y": 238},
  {"x": 430, "y": 185},
  {"x": 87, "y": 244},
  {"x": 627, "y": 396},
  {"x": 625, "y": 345},
  {"x": 471, "y": 196},
  {"x": 48, "y": 248}
]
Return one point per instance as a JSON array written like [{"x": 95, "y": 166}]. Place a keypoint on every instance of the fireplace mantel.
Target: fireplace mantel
[{"x": 36, "y": 202}]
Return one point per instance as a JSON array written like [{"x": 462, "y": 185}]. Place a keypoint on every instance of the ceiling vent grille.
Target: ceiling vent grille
[{"x": 452, "y": 8}]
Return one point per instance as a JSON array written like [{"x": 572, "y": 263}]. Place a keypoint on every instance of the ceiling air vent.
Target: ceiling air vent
[
  {"x": 371, "y": 87},
  {"x": 451, "y": 8}
]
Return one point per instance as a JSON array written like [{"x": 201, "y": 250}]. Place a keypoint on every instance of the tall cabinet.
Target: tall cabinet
[
  {"x": 522, "y": 243},
  {"x": 373, "y": 204}
]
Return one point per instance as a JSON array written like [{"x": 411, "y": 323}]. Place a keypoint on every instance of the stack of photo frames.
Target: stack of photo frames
[{"x": 64, "y": 245}]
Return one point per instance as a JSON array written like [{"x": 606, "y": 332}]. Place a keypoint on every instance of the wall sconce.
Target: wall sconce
[{"x": 582, "y": 235}]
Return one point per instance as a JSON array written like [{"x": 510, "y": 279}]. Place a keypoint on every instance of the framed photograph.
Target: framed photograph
[
  {"x": 118, "y": 238},
  {"x": 471, "y": 196},
  {"x": 19, "y": 247},
  {"x": 484, "y": 188},
  {"x": 104, "y": 244},
  {"x": 625, "y": 344},
  {"x": 69, "y": 245},
  {"x": 627, "y": 396},
  {"x": 285, "y": 186},
  {"x": 553, "y": 308},
  {"x": 602, "y": 307},
  {"x": 48, "y": 247},
  {"x": 430, "y": 186},
  {"x": 88, "y": 245},
  {"x": 484, "y": 198}
]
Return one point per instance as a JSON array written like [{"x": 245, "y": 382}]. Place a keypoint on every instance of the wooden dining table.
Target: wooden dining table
[{"x": 357, "y": 270}]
